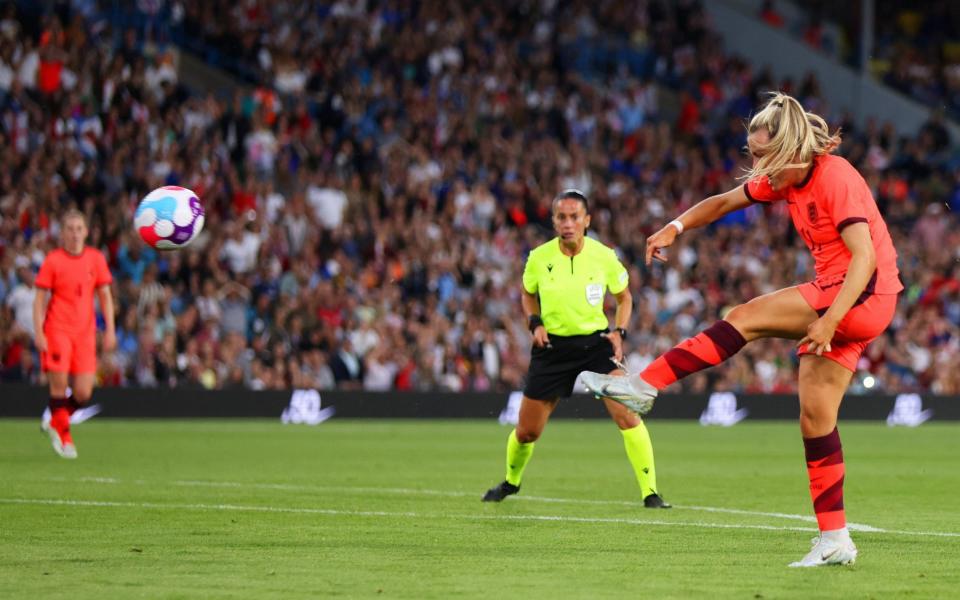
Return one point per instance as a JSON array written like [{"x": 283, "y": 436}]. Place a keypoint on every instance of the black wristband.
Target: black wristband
[
  {"x": 622, "y": 332},
  {"x": 534, "y": 321}
]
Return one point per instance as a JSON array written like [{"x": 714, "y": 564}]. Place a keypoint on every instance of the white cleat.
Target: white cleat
[
  {"x": 67, "y": 450},
  {"x": 84, "y": 413},
  {"x": 630, "y": 391},
  {"x": 829, "y": 552}
]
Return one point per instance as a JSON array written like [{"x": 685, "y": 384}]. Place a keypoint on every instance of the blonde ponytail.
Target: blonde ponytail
[{"x": 796, "y": 136}]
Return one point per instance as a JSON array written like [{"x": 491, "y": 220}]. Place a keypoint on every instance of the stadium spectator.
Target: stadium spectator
[
  {"x": 915, "y": 47},
  {"x": 20, "y": 299},
  {"x": 770, "y": 15}
]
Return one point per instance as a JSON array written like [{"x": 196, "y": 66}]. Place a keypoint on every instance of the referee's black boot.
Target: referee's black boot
[
  {"x": 500, "y": 491},
  {"x": 655, "y": 501}
]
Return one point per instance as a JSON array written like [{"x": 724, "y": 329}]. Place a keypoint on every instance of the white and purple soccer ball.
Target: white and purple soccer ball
[{"x": 169, "y": 217}]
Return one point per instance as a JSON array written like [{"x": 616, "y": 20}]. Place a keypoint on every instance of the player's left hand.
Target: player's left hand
[
  {"x": 109, "y": 341},
  {"x": 661, "y": 239},
  {"x": 819, "y": 335},
  {"x": 617, "y": 343}
]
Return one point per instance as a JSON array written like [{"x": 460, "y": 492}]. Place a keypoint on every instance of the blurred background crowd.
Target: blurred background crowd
[
  {"x": 916, "y": 45},
  {"x": 373, "y": 186}
]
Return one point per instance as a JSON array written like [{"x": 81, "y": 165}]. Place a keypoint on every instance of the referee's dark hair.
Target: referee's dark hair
[{"x": 573, "y": 194}]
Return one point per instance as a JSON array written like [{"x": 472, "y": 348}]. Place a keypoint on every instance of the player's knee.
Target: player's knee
[
  {"x": 82, "y": 395},
  {"x": 818, "y": 426},
  {"x": 742, "y": 317},
  {"x": 58, "y": 389},
  {"x": 527, "y": 436},
  {"x": 626, "y": 420},
  {"x": 810, "y": 414},
  {"x": 817, "y": 418}
]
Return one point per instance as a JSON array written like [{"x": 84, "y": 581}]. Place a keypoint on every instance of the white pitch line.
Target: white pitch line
[
  {"x": 450, "y": 494},
  {"x": 370, "y": 513},
  {"x": 471, "y": 517},
  {"x": 409, "y": 491},
  {"x": 809, "y": 519},
  {"x": 179, "y": 506}
]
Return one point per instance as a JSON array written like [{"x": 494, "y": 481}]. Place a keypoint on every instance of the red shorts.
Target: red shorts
[
  {"x": 70, "y": 353},
  {"x": 862, "y": 324}
]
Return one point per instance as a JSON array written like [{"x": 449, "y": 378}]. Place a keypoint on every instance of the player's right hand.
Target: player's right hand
[
  {"x": 40, "y": 341},
  {"x": 660, "y": 239},
  {"x": 109, "y": 341},
  {"x": 540, "y": 338}
]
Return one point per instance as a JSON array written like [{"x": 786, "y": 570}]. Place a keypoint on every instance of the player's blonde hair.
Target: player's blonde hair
[
  {"x": 796, "y": 136},
  {"x": 73, "y": 213}
]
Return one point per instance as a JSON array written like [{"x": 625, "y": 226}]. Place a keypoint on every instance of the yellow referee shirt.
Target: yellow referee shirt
[{"x": 571, "y": 288}]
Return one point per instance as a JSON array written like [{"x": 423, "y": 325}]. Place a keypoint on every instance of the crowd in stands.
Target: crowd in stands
[
  {"x": 371, "y": 202},
  {"x": 916, "y": 46},
  {"x": 806, "y": 21},
  {"x": 917, "y": 51}
]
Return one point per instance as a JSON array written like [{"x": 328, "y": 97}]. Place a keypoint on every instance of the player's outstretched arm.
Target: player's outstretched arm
[{"x": 703, "y": 213}]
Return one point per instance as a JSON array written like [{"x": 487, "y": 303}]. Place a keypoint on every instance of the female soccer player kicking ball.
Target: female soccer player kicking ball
[
  {"x": 66, "y": 326},
  {"x": 850, "y": 302}
]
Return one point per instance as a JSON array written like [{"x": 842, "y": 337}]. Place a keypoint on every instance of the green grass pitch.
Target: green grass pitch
[{"x": 391, "y": 509}]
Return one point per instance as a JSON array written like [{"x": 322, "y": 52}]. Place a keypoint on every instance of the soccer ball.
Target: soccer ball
[{"x": 169, "y": 217}]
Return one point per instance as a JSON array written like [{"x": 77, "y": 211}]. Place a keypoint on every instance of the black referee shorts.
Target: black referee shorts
[{"x": 553, "y": 371}]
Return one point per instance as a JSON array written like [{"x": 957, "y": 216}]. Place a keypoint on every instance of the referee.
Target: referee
[{"x": 564, "y": 283}]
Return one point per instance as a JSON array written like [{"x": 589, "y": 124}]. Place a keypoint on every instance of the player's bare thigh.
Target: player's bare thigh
[{"x": 783, "y": 314}]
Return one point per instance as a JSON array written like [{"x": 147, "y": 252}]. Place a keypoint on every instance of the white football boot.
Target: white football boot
[
  {"x": 831, "y": 548},
  {"x": 630, "y": 391},
  {"x": 67, "y": 450}
]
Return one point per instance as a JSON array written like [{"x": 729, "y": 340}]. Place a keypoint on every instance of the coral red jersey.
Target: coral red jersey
[
  {"x": 832, "y": 197},
  {"x": 72, "y": 280}
]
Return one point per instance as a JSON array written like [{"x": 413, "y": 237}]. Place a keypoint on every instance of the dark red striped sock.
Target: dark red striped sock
[
  {"x": 708, "y": 348},
  {"x": 826, "y": 471},
  {"x": 60, "y": 414}
]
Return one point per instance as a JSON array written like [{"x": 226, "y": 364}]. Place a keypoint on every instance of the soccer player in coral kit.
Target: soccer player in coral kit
[
  {"x": 65, "y": 324},
  {"x": 851, "y": 301}
]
